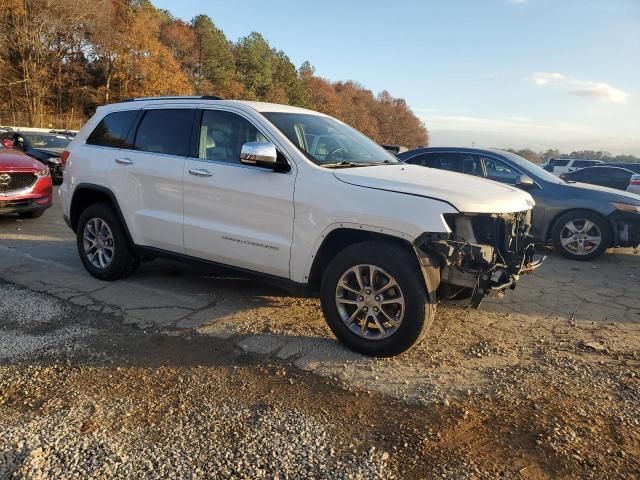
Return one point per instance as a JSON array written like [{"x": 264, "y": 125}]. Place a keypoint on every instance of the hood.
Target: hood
[
  {"x": 603, "y": 193},
  {"x": 14, "y": 161},
  {"x": 466, "y": 193}
]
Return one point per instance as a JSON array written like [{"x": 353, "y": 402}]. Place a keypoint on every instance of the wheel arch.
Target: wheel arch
[
  {"x": 552, "y": 224},
  {"x": 85, "y": 195},
  {"x": 340, "y": 238}
]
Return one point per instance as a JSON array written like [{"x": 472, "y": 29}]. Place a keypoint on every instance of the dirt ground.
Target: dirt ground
[{"x": 189, "y": 372}]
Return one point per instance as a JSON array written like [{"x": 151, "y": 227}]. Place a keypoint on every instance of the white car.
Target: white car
[
  {"x": 233, "y": 183},
  {"x": 559, "y": 166},
  {"x": 634, "y": 185}
]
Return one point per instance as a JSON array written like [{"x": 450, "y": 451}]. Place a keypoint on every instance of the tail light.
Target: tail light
[
  {"x": 63, "y": 157},
  {"x": 635, "y": 181}
]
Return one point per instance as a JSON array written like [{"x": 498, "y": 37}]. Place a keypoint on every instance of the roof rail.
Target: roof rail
[{"x": 201, "y": 97}]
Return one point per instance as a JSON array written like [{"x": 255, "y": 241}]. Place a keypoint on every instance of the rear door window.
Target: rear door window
[
  {"x": 113, "y": 129},
  {"x": 583, "y": 163},
  {"x": 165, "y": 131},
  {"x": 454, "y": 162}
]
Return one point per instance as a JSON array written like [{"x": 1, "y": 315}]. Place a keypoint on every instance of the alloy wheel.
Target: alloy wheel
[
  {"x": 370, "y": 302},
  {"x": 580, "y": 236},
  {"x": 98, "y": 244}
]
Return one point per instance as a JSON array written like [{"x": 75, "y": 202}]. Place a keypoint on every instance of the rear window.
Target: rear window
[
  {"x": 166, "y": 131},
  {"x": 113, "y": 129}
]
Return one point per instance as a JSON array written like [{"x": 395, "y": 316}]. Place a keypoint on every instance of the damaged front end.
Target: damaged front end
[{"x": 483, "y": 254}]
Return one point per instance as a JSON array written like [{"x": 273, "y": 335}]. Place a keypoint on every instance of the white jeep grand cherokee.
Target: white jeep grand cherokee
[{"x": 297, "y": 196}]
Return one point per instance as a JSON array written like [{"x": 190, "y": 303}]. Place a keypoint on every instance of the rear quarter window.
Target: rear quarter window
[{"x": 113, "y": 129}]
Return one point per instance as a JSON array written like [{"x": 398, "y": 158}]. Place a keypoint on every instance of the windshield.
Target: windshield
[
  {"x": 531, "y": 168},
  {"x": 46, "y": 141},
  {"x": 324, "y": 140}
]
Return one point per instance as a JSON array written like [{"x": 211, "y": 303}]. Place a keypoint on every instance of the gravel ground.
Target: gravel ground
[{"x": 73, "y": 407}]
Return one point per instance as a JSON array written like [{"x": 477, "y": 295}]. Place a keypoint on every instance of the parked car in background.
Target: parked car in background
[
  {"x": 612, "y": 177},
  {"x": 558, "y": 166},
  {"x": 45, "y": 147},
  {"x": 6, "y": 142},
  {"x": 219, "y": 181},
  {"x": 25, "y": 185},
  {"x": 66, "y": 133},
  {"x": 581, "y": 220},
  {"x": 634, "y": 185}
]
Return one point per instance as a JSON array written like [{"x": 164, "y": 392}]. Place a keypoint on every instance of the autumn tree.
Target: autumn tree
[
  {"x": 215, "y": 72},
  {"x": 65, "y": 57},
  {"x": 37, "y": 36}
]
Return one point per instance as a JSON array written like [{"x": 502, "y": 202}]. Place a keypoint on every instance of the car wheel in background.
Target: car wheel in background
[
  {"x": 103, "y": 244},
  {"x": 374, "y": 299},
  {"x": 581, "y": 235}
]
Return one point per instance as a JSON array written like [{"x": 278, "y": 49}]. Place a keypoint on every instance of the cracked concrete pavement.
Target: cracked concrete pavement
[{"x": 564, "y": 301}]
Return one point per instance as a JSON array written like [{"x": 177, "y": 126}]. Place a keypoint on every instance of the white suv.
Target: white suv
[
  {"x": 233, "y": 183},
  {"x": 560, "y": 166}
]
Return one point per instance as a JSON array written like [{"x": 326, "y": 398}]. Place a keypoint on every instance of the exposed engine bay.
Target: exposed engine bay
[{"x": 483, "y": 254}]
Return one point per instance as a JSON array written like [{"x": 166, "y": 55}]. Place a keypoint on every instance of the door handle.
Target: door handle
[
  {"x": 199, "y": 172},
  {"x": 124, "y": 161}
]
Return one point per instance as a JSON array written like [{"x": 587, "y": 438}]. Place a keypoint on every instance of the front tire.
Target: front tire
[
  {"x": 581, "y": 235},
  {"x": 374, "y": 299},
  {"x": 103, "y": 245}
]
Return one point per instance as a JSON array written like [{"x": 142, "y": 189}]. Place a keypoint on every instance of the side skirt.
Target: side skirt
[{"x": 294, "y": 288}]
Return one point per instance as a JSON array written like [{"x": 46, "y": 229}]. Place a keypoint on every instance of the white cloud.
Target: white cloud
[{"x": 582, "y": 88}]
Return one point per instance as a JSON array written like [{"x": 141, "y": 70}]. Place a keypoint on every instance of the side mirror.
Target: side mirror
[
  {"x": 262, "y": 154},
  {"x": 525, "y": 181}
]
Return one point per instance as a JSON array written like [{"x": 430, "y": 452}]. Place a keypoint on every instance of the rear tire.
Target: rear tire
[
  {"x": 103, "y": 245},
  {"x": 404, "y": 313},
  {"x": 581, "y": 235}
]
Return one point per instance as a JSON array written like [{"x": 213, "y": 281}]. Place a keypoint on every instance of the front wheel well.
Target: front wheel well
[{"x": 341, "y": 238}]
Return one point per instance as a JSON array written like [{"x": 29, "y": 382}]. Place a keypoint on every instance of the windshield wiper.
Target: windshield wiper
[{"x": 348, "y": 164}]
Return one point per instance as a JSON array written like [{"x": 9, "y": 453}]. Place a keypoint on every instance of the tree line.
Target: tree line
[
  {"x": 60, "y": 59},
  {"x": 540, "y": 157}
]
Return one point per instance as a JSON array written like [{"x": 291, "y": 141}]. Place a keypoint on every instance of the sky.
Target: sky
[{"x": 533, "y": 74}]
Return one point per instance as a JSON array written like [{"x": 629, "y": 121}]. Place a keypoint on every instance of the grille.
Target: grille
[
  {"x": 16, "y": 181},
  {"x": 14, "y": 204}
]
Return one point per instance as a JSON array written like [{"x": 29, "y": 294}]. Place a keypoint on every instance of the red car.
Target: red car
[{"x": 25, "y": 185}]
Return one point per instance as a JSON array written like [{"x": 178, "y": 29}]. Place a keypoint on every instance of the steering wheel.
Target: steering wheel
[{"x": 334, "y": 151}]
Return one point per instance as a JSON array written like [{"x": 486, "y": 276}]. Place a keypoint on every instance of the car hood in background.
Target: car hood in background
[
  {"x": 12, "y": 160},
  {"x": 465, "y": 192},
  {"x": 604, "y": 193}
]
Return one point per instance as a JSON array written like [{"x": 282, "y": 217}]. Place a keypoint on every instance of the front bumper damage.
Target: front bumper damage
[
  {"x": 626, "y": 229},
  {"x": 483, "y": 254}
]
